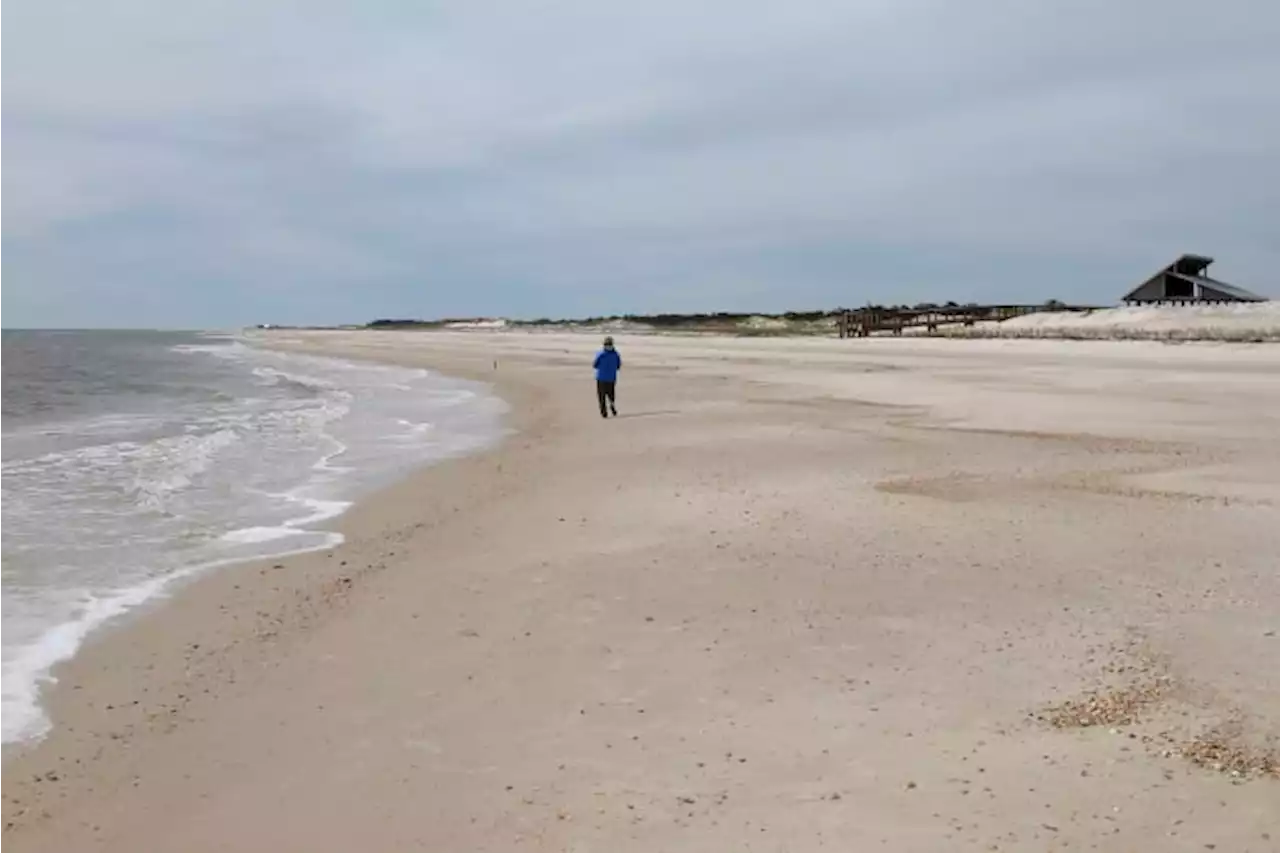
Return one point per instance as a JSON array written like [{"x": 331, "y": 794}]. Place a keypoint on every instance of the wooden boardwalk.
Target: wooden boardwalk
[{"x": 862, "y": 322}]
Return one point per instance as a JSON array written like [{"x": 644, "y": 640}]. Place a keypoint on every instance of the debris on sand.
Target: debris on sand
[
  {"x": 1121, "y": 706},
  {"x": 1224, "y": 751},
  {"x": 1139, "y": 681}
]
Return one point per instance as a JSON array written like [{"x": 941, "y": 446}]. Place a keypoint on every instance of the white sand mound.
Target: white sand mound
[
  {"x": 758, "y": 322},
  {"x": 624, "y": 326},
  {"x": 487, "y": 325},
  {"x": 1253, "y": 321}
]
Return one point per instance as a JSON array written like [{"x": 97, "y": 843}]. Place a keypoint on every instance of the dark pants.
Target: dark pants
[{"x": 606, "y": 392}]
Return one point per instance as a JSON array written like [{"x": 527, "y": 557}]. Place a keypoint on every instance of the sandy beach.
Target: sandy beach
[{"x": 906, "y": 595}]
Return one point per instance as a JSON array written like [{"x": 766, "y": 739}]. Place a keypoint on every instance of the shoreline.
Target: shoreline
[
  {"x": 318, "y": 521},
  {"x": 319, "y": 572},
  {"x": 782, "y": 592}
]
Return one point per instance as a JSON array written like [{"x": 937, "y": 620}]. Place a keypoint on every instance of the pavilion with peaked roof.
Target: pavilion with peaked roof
[{"x": 1185, "y": 280}]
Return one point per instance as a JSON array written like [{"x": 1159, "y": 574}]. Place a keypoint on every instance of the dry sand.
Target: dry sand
[{"x": 873, "y": 595}]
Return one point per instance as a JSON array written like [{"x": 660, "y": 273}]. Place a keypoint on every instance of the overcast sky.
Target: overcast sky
[{"x": 208, "y": 163}]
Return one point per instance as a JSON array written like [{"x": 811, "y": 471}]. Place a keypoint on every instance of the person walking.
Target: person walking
[{"x": 607, "y": 365}]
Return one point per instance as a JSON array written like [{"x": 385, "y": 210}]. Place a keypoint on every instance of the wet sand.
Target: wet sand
[{"x": 804, "y": 594}]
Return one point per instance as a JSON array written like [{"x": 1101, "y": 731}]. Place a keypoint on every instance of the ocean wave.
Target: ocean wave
[
  {"x": 235, "y": 350},
  {"x": 170, "y": 465},
  {"x": 288, "y": 381}
]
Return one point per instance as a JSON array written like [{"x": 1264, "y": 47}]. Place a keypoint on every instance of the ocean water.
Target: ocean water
[{"x": 134, "y": 459}]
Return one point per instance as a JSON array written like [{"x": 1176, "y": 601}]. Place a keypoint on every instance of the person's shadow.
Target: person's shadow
[{"x": 653, "y": 414}]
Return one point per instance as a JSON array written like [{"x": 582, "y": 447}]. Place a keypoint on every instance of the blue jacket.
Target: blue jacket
[{"x": 607, "y": 364}]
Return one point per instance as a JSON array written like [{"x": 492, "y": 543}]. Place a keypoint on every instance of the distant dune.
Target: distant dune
[
  {"x": 1256, "y": 321},
  {"x": 1241, "y": 322}
]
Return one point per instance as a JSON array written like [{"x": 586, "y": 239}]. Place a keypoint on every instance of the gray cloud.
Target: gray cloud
[{"x": 218, "y": 163}]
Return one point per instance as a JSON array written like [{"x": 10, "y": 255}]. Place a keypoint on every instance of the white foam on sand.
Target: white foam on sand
[
  {"x": 320, "y": 510},
  {"x": 29, "y": 669},
  {"x": 257, "y": 535}
]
